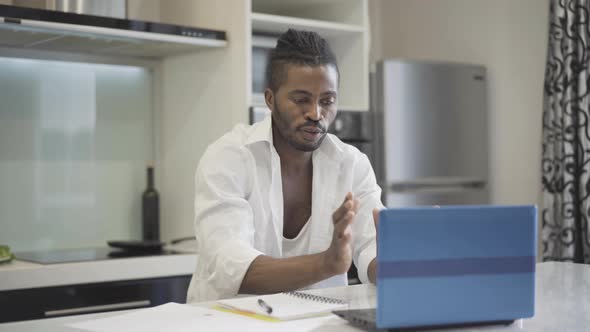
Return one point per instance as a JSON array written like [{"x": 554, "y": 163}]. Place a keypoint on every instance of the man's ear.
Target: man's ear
[{"x": 269, "y": 98}]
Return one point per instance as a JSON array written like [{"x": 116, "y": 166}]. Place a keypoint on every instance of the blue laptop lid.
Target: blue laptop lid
[{"x": 455, "y": 264}]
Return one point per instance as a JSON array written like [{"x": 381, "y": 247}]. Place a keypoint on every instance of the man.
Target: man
[{"x": 282, "y": 205}]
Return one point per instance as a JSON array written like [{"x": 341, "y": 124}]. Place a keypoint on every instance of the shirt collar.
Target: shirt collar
[
  {"x": 331, "y": 147},
  {"x": 262, "y": 132}
]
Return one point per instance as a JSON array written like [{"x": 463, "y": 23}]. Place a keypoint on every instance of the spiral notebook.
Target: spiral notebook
[{"x": 283, "y": 306}]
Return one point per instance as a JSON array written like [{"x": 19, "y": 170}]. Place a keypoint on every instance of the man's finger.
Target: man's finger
[
  {"x": 348, "y": 196},
  {"x": 345, "y": 238},
  {"x": 341, "y": 211},
  {"x": 346, "y": 205},
  {"x": 341, "y": 224},
  {"x": 347, "y": 234}
]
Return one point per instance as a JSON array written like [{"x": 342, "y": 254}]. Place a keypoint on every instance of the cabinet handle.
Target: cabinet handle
[{"x": 95, "y": 308}]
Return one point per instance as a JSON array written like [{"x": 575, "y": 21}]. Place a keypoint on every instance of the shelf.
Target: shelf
[
  {"x": 340, "y": 11},
  {"x": 277, "y": 24}
]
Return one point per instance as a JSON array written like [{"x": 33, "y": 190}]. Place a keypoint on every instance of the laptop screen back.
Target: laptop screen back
[{"x": 455, "y": 264}]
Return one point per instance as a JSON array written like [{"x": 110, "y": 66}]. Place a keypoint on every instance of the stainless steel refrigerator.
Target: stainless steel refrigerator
[{"x": 431, "y": 144}]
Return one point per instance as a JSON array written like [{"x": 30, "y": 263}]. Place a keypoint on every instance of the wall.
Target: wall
[
  {"x": 204, "y": 96},
  {"x": 201, "y": 97},
  {"x": 72, "y": 169},
  {"x": 509, "y": 38}
]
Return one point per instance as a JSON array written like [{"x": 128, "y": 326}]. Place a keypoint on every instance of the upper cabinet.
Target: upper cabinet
[{"x": 344, "y": 23}]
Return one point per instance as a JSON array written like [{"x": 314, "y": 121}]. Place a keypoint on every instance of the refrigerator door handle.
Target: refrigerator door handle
[{"x": 443, "y": 184}]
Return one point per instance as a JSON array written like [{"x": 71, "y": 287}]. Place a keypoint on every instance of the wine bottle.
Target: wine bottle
[{"x": 151, "y": 209}]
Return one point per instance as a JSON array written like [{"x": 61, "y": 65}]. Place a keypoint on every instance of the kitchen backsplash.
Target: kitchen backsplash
[{"x": 74, "y": 142}]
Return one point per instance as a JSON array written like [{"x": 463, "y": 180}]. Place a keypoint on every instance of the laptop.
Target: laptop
[{"x": 452, "y": 266}]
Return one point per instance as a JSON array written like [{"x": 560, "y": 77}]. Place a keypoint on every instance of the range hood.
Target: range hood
[{"x": 47, "y": 30}]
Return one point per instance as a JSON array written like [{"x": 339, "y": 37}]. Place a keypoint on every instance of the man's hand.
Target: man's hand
[
  {"x": 267, "y": 275},
  {"x": 372, "y": 269},
  {"x": 338, "y": 257}
]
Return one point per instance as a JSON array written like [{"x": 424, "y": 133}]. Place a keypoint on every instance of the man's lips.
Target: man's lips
[
  {"x": 311, "y": 133},
  {"x": 312, "y": 130}
]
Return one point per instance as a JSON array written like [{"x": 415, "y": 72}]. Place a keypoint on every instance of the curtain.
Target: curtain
[{"x": 566, "y": 134}]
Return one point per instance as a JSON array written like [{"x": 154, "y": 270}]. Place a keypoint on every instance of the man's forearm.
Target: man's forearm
[{"x": 272, "y": 275}]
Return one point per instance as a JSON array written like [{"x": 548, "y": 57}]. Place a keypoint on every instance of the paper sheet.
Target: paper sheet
[{"x": 181, "y": 317}]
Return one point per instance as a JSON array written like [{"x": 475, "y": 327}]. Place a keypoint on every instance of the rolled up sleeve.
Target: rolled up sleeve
[
  {"x": 223, "y": 225},
  {"x": 368, "y": 193}
]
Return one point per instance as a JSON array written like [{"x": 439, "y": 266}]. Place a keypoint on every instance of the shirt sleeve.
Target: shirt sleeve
[
  {"x": 367, "y": 191},
  {"x": 223, "y": 223}
]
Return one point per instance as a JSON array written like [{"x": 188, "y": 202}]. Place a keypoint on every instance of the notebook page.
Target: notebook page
[{"x": 286, "y": 306}]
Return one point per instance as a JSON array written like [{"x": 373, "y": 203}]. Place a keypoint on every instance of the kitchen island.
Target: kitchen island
[{"x": 31, "y": 290}]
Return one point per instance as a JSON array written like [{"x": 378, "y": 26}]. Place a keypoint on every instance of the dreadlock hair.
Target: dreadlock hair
[{"x": 300, "y": 48}]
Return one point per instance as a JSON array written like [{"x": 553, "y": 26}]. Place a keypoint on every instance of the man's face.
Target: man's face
[{"x": 305, "y": 105}]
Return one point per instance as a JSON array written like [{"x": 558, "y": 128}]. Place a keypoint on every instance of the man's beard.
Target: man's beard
[{"x": 283, "y": 125}]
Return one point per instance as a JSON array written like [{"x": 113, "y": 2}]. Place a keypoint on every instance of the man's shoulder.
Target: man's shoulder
[
  {"x": 345, "y": 150},
  {"x": 231, "y": 147},
  {"x": 235, "y": 138}
]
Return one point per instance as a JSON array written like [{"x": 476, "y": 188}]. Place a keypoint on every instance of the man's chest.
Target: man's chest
[
  {"x": 297, "y": 203},
  {"x": 281, "y": 206}
]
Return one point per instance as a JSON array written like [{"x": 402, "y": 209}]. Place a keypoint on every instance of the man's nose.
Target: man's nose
[{"x": 315, "y": 112}]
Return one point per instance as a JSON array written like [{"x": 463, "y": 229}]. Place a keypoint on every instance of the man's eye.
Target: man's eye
[
  {"x": 300, "y": 100},
  {"x": 328, "y": 102}
]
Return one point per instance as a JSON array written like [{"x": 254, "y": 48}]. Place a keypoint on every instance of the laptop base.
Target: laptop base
[{"x": 366, "y": 318}]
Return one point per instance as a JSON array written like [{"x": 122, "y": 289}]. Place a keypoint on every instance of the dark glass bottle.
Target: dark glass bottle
[{"x": 151, "y": 209}]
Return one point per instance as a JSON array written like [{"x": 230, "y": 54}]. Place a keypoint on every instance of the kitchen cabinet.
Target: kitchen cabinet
[
  {"x": 33, "y": 291},
  {"x": 48, "y": 302}
]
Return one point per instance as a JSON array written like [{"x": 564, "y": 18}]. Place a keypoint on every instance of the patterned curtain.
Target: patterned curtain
[{"x": 566, "y": 134}]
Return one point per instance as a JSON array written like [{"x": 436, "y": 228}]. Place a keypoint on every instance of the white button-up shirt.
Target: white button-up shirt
[{"x": 239, "y": 206}]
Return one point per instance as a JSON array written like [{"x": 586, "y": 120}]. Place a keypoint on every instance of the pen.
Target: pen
[{"x": 265, "y": 306}]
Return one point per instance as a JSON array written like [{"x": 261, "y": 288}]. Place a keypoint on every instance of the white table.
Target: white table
[{"x": 562, "y": 304}]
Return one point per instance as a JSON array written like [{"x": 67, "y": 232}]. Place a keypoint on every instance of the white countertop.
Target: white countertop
[
  {"x": 21, "y": 275},
  {"x": 562, "y": 301}
]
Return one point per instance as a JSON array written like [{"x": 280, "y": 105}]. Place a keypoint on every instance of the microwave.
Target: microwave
[{"x": 261, "y": 47}]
